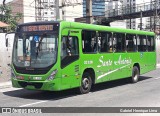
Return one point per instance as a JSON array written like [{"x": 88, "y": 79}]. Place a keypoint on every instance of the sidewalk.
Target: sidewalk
[
  {"x": 5, "y": 85},
  {"x": 158, "y": 65}
]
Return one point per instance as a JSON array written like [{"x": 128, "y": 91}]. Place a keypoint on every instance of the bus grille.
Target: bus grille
[{"x": 36, "y": 85}]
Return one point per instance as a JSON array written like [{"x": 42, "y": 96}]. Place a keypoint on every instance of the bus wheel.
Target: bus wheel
[
  {"x": 86, "y": 83},
  {"x": 135, "y": 74}
]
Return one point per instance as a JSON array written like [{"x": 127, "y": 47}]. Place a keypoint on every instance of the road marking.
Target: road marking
[
  {"x": 9, "y": 89},
  {"x": 33, "y": 103},
  {"x": 157, "y": 78}
]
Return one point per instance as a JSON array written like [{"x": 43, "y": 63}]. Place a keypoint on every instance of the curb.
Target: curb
[
  {"x": 158, "y": 65},
  {"x": 5, "y": 85}
]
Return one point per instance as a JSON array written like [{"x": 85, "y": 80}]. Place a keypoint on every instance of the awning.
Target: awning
[{"x": 3, "y": 24}]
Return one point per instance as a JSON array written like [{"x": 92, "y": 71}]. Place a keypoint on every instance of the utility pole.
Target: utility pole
[
  {"x": 57, "y": 9},
  {"x": 151, "y": 6},
  {"x": 155, "y": 15},
  {"x": 89, "y": 11},
  {"x": 130, "y": 20},
  {"x": 141, "y": 20}
]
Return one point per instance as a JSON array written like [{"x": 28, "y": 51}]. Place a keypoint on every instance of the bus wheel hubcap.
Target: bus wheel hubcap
[
  {"x": 135, "y": 76},
  {"x": 85, "y": 83}
]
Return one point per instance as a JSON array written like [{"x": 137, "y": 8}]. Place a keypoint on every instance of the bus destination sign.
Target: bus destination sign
[{"x": 30, "y": 28}]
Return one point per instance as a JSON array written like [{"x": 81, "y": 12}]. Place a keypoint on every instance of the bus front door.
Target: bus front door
[{"x": 70, "y": 69}]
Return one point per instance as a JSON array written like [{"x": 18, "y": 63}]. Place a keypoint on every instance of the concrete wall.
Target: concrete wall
[
  {"x": 158, "y": 49},
  {"x": 17, "y": 7},
  {"x": 5, "y": 56}
]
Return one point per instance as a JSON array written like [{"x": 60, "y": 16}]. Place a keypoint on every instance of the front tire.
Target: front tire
[
  {"x": 86, "y": 83},
  {"x": 135, "y": 74}
]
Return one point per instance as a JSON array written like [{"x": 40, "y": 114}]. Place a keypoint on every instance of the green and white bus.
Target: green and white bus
[{"x": 60, "y": 55}]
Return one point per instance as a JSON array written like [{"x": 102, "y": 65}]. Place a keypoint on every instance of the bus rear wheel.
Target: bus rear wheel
[
  {"x": 86, "y": 83},
  {"x": 135, "y": 74}
]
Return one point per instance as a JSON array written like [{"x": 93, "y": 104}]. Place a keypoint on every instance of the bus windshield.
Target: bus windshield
[{"x": 35, "y": 50}]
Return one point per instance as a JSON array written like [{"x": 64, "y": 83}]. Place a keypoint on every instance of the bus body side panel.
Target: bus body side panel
[
  {"x": 151, "y": 61},
  {"x": 103, "y": 67},
  {"x": 135, "y": 59},
  {"x": 121, "y": 65},
  {"x": 148, "y": 61}
]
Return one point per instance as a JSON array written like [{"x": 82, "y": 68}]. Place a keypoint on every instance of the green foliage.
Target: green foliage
[{"x": 8, "y": 17}]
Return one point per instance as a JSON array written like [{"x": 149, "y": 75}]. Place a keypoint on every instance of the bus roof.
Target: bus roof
[
  {"x": 77, "y": 25},
  {"x": 103, "y": 28}
]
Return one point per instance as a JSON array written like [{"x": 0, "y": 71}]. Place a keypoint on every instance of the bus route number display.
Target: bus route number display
[{"x": 38, "y": 28}]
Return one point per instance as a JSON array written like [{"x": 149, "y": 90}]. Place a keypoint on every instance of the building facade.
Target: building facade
[
  {"x": 71, "y": 9},
  {"x": 45, "y": 10},
  {"x": 123, "y": 7},
  {"x": 48, "y": 13},
  {"x": 98, "y": 8},
  {"x": 25, "y": 7}
]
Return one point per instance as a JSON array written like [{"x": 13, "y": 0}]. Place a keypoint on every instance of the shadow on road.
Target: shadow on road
[
  {"x": 48, "y": 95},
  {"x": 116, "y": 83}
]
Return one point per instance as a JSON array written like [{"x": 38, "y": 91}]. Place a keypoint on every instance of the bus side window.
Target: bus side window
[
  {"x": 105, "y": 42},
  {"x": 131, "y": 42},
  {"x": 69, "y": 46},
  {"x": 114, "y": 43},
  {"x": 142, "y": 43},
  {"x": 69, "y": 50},
  {"x": 89, "y": 41},
  {"x": 119, "y": 42},
  {"x": 150, "y": 43}
]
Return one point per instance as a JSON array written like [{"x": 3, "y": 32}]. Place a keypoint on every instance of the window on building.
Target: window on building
[{"x": 45, "y": 6}]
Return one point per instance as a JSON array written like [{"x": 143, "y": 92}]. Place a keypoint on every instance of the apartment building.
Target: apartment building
[{"x": 26, "y": 7}]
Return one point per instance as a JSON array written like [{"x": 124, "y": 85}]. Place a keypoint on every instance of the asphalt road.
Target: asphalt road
[{"x": 121, "y": 93}]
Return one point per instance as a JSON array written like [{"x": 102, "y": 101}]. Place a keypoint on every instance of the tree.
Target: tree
[{"x": 8, "y": 17}]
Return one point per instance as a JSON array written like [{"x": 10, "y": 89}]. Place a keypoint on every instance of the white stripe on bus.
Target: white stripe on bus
[{"x": 101, "y": 76}]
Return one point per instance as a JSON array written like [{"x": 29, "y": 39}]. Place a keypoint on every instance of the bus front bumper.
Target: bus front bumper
[{"x": 53, "y": 85}]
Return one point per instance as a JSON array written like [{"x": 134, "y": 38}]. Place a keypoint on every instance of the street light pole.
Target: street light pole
[
  {"x": 57, "y": 9},
  {"x": 89, "y": 11},
  {"x": 130, "y": 18},
  {"x": 151, "y": 16},
  {"x": 155, "y": 15},
  {"x": 141, "y": 21}
]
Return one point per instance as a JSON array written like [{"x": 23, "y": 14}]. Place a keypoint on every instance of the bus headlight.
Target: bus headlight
[
  {"x": 53, "y": 74},
  {"x": 13, "y": 75}
]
